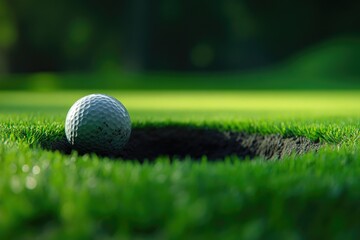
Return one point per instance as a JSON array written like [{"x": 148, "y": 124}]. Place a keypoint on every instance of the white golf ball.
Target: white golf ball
[{"x": 98, "y": 123}]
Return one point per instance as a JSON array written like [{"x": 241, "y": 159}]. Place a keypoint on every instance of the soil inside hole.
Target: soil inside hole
[{"x": 148, "y": 143}]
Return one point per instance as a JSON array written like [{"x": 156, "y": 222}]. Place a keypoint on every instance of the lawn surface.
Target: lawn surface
[{"x": 316, "y": 195}]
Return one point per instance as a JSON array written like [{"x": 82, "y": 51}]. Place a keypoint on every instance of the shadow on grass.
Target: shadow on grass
[{"x": 148, "y": 143}]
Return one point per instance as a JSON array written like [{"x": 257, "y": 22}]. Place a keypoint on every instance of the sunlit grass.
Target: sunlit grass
[
  {"x": 295, "y": 103},
  {"x": 54, "y": 196}
]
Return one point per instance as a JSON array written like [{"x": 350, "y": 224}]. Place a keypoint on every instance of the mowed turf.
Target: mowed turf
[{"x": 52, "y": 195}]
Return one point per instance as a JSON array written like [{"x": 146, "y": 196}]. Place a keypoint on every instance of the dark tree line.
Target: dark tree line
[{"x": 83, "y": 35}]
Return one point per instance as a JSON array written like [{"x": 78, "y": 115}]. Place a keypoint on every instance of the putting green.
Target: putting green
[
  {"x": 70, "y": 196},
  {"x": 295, "y": 103}
]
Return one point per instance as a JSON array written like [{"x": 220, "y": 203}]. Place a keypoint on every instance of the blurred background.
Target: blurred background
[{"x": 257, "y": 44}]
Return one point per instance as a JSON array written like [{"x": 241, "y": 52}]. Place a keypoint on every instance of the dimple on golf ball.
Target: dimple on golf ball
[{"x": 98, "y": 123}]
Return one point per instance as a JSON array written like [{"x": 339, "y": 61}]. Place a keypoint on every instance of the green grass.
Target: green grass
[{"x": 53, "y": 196}]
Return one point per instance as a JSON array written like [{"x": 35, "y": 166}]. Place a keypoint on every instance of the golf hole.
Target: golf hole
[{"x": 148, "y": 143}]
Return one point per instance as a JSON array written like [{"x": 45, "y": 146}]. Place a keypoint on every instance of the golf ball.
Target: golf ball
[{"x": 98, "y": 123}]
